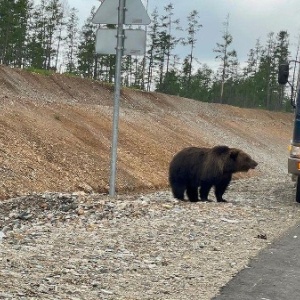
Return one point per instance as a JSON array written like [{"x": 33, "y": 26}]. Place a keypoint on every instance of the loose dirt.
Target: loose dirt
[{"x": 55, "y": 134}]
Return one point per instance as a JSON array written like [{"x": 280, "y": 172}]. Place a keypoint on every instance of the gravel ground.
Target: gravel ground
[
  {"x": 145, "y": 246},
  {"x": 55, "y": 135}
]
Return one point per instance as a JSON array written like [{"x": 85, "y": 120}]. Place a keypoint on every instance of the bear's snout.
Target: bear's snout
[
  {"x": 253, "y": 164},
  {"x": 246, "y": 165}
]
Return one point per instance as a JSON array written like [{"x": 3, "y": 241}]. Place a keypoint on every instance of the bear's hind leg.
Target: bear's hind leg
[
  {"x": 178, "y": 191},
  {"x": 192, "y": 193}
]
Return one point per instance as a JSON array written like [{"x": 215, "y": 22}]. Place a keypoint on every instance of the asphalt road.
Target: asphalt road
[{"x": 273, "y": 275}]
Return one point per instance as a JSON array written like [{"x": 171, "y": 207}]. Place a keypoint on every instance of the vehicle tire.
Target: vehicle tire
[{"x": 298, "y": 190}]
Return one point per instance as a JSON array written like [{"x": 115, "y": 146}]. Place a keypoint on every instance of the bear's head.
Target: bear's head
[
  {"x": 222, "y": 159},
  {"x": 239, "y": 161}
]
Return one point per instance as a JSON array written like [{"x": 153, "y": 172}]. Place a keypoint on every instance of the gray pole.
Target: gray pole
[{"x": 119, "y": 52}]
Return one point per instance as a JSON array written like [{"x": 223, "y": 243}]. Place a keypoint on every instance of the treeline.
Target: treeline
[{"x": 46, "y": 35}]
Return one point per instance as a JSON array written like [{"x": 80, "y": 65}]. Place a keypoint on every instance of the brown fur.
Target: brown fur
[{"x": 194, "y": 167}]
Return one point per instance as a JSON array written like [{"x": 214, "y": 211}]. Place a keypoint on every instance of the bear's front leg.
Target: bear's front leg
[
  {"x": 192, "y": 193},
  {"x": 221, "y": 187},
  {"x": 204, "y": 191},
  {"x": 178, "y": 191}
]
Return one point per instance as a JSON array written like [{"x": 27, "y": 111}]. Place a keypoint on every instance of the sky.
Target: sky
[{"x": 249, "y": 20}]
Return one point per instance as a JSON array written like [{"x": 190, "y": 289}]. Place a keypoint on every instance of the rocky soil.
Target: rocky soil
[
  {"x": 62, "y": 237},
  {"x": 146, "y": 246}
]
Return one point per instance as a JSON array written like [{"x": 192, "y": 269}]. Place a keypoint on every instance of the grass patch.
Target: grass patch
[{"x": 40, "y": 71}]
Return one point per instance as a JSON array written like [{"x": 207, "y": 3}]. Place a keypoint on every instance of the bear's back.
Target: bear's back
[{"x": 187, "y": 161}]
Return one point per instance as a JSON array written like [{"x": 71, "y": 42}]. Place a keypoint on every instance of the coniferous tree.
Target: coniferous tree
[
  {"x": 281, "y": 56},
  {"x": 36, "y": 39},
  {"x": 295, "y": 78},
  {"x": 268, "y": 71},
  {"x": 44, "y": 27},
  {"x": 61, "y": 36},
  {"x": 7, "y": 24},
  {"x": 153, "y": 44},
  {"x": 22, "y": 13},
  {"x": 5, "y": 13},
  {"x": 172, "y": 41},
  {"x": 172, "y": 83},
  {"x": 226, "y": 56},
  {"x": 232, "y": 87},
  {"x": 86, "y": 48},
  {"x": 200, "y": 84},
  {"x": 193, "y": 27},
  {"x": 14, "y": 17},
  {"x": 166, "y": 43},
  {"x": 138, "y": 73},
  {"x": 127, "y": 70},
  {"x": 163, "y": 44},
  {"x": 71, "y": 40},
  {"x": 54, "y": 19},
  {"x": 250, "y": 81}
]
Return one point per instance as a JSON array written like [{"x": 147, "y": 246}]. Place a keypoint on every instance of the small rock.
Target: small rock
[
  {"x": 229, "y": 221},
  {"x": 262, "y": 236},
  {"x": 86, "y": 188},
  {"x": 216, "y": 249},
  {"x": 6, "y": 296},
  {"x": 6, "y": 228},
  {"x": 25, "y": 216},
  {"x": 168, "y": 206},
  {"x": 106, "y": 292},
  {"x": 80, "y": 212},
  {"x": 2, "y": 235}
]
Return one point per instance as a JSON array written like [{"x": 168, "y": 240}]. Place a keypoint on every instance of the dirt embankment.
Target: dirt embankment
[{"x": 55, "y": 134}]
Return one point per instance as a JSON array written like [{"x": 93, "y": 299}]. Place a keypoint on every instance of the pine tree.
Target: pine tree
[
  {"x": 281, "y": 56},
  {"x": 13, "y": 30},
  {"x": 7, "y": 23},
  {"x": 86, "y": 48},
  {"x": 54, "y": 17},
  {"x": 161, "y": 51},
  {"x": 200, "y": 84},
  {"x": 35, "y": 56},
  {"x": 71, "y": 41},
  {"x": 268, "y": 71},
  {"x": 166, "y": 42},
  {"x": 153, "y": 44},
  {"x": 22, "y": 13},
  {"x": 171, "y": 83},
  {"x": 138, "y": 73},
  {"x": 172, "y": 41},
  {"x": 193, "y": 27},
  {"x": 226, "y": 56}
]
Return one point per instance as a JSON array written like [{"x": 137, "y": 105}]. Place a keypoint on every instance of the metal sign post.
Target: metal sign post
[
  {"x": 120, "y": 43},
  {"x": 134, "y": 14}
]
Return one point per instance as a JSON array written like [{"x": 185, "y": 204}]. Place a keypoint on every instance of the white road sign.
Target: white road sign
[
  {"x": 134, "y": 41},
  {"x": 135, "y": 13}
]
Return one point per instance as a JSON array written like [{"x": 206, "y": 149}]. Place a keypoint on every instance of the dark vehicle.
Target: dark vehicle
[{"x": 294, "y": 158}]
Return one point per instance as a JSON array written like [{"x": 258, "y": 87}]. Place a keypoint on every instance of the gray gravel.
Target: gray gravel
[{"x": 145, "y": 246}]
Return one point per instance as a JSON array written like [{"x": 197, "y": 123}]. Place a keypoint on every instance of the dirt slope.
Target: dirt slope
[{"x": 55, "y": 134}]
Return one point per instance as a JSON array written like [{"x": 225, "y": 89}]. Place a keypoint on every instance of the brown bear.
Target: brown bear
[{"x": 193, "y": 168}]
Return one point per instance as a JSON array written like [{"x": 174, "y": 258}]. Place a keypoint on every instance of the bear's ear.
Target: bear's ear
[
  {"x": 234, "y": 153},
  {"x": 219, "y": 150}
]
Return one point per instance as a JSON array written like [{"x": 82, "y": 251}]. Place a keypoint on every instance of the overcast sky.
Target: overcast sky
[{"x": 248, "y": 21}]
